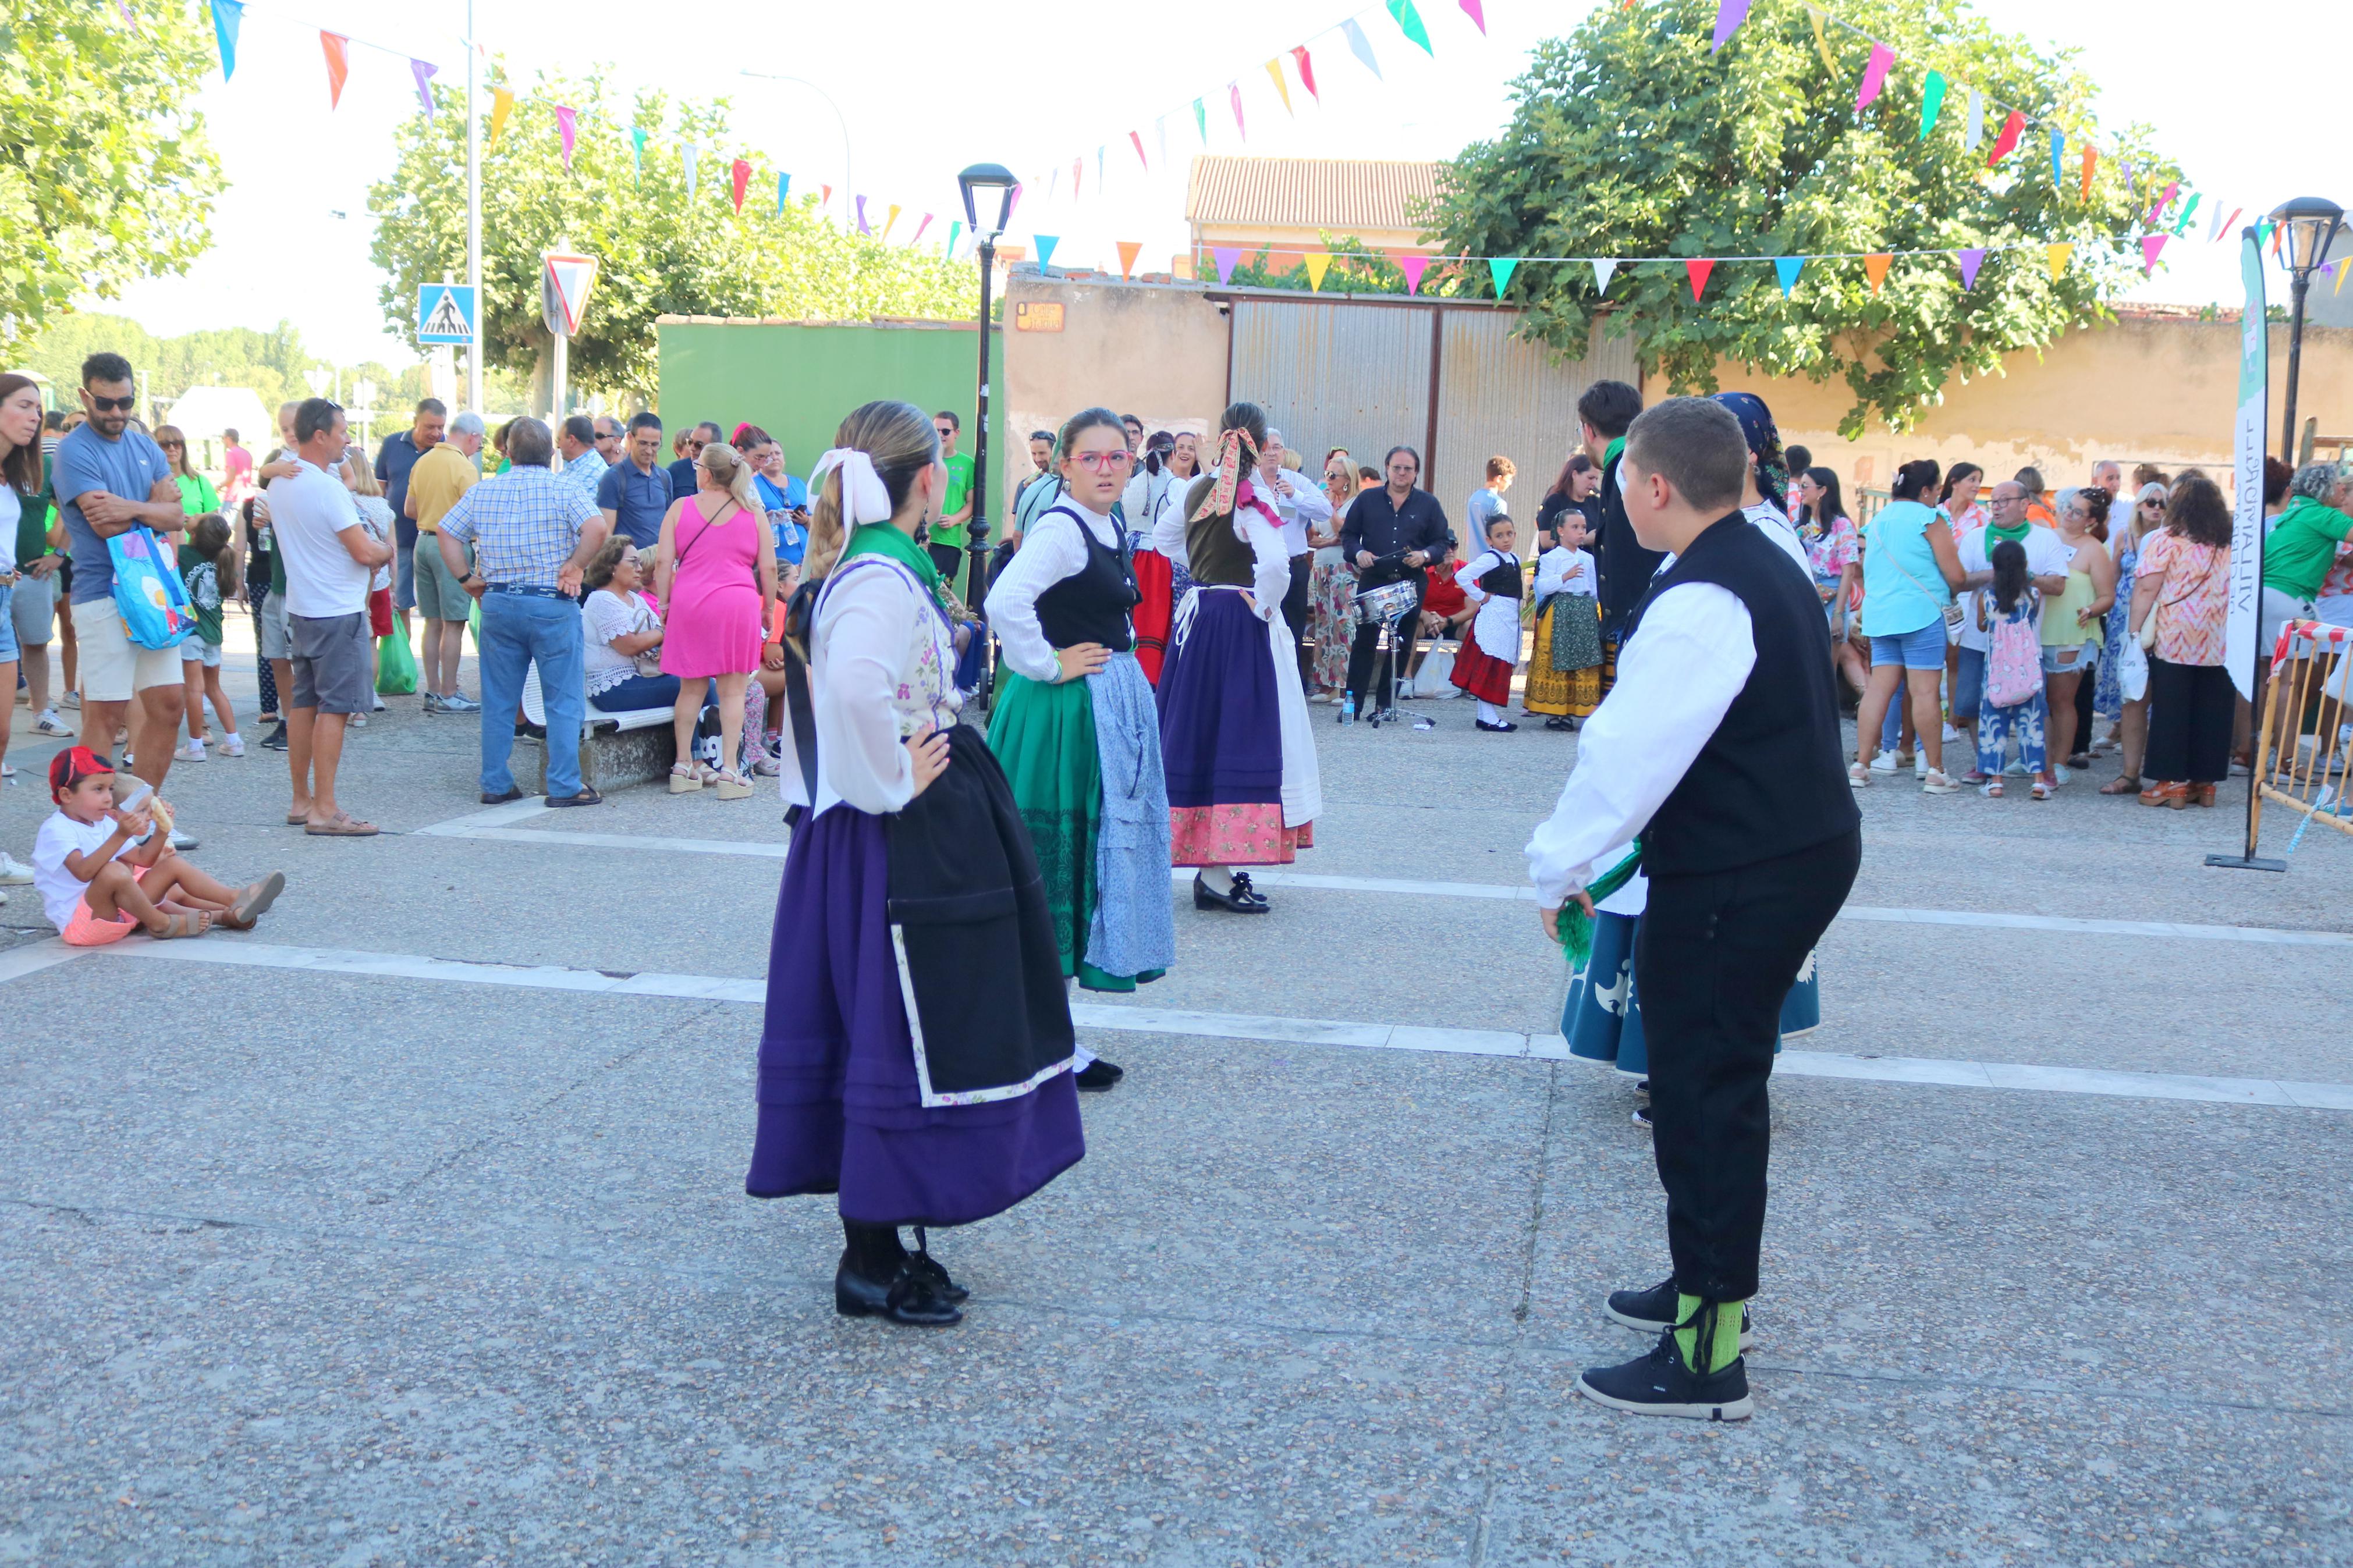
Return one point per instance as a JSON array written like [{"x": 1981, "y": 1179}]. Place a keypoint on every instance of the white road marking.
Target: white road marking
[{"x": 1139, "y": 1019}]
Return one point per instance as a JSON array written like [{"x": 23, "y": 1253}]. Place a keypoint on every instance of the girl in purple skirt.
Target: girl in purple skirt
[{"x": 916, "y": 1054}]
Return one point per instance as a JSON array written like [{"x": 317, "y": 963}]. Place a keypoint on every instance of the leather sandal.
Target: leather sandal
[{"x": 2123, "y": 784}]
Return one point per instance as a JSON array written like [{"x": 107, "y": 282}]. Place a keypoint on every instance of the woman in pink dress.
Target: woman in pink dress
[{"x": 717, "y": 575}]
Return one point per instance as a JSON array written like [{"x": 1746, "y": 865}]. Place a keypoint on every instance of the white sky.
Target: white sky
[{"x": 1040, "y": 87}]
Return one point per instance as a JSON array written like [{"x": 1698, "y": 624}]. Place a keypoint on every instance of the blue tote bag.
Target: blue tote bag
[{"x": 148, "y": 592}]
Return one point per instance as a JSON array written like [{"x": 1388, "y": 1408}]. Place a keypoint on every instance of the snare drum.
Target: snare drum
[{"x": 1387, "y": 601}]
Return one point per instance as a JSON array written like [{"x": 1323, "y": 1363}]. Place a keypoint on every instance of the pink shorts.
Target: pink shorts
[{"x": 86, "y": 929}]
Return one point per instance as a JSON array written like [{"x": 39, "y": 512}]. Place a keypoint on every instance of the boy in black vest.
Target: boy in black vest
[{"x": 1720, "y": 747}]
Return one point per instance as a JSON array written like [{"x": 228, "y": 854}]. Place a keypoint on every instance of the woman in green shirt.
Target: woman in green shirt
[
  {"x": 197, "y": 496},
  {"x": 2300, "y": 546}
]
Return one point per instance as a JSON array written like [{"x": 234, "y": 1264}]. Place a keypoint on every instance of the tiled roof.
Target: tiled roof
[{"x": 1343, "y": 194}]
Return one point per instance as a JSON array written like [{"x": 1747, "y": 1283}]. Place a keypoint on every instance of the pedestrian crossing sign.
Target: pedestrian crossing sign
[{"x": 445, "y": 313}]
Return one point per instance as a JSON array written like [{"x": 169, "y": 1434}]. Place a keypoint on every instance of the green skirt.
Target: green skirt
[{"x": 1044, "y": 738}]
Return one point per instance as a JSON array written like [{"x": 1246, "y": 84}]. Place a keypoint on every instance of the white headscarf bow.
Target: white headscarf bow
[{"x": 863, "y": 499}]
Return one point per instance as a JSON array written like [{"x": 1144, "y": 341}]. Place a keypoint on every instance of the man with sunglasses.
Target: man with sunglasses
[
  {"x": 682, "y": 482},
  {"x": 111, "y": 477},
  {"x": 948, "y": 538}
]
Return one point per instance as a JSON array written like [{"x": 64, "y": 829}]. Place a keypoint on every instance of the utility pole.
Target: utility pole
[{"x": 474, "y": 219}]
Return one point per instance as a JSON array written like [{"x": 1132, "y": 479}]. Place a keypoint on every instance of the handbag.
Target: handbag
[
  {"x": 1952, "y": 611},
  {"x": 148, "y": 592},
  {"x": 2148, "y": 635}
]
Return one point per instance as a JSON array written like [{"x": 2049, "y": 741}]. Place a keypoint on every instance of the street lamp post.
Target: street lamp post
[
  {"x": 979, "y": 178},
  {"x": 2313, "y": 223}
]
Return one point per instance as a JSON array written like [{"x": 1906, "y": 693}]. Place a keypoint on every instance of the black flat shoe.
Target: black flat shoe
[
  {"x": 490, "y": 799},
  {"x": 1660, "y": 1383},
  {"x": 1246, "y": 889},
  {"x": 1503, "y": 729},
  {"x": 922, "y": 1264},
  {"x": 1098, "y": 1074},
  {"x": 912, "y": 1297},
  {"x": 1240, "y": 902},
  {"x": 1653, "y": 1311},
  {"x": 1559, "y": 723},
  {"x": 587, "y": 796}
]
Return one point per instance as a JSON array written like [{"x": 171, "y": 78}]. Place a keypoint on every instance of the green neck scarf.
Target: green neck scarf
[
  {"x": 1997, "y": 534},
  {"x": 887, "y": 539},
  {"x": 1610, "y": 453}
]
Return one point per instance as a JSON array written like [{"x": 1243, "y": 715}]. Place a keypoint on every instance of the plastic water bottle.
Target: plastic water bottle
[{"x": 1347, "y": 708}]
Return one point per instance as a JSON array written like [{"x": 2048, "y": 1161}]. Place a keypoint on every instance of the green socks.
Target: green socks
[{"x": 1719, "y": 1322}]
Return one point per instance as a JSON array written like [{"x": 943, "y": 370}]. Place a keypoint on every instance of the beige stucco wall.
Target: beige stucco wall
[{"x": 2160, "y": 390}]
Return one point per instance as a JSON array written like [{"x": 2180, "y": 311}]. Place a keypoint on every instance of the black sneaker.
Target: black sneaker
[
  {"x": 1659, "y": 1383},
  {"x": 1653, "y": 1311},
  {"x": 1098, "y": 1074},
  {"x": 276, "y": 739},
  {"x": 1642, "y": 1118}
]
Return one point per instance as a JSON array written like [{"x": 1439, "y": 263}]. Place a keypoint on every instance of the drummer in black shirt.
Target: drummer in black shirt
[{"x": 1391, "y": 534}]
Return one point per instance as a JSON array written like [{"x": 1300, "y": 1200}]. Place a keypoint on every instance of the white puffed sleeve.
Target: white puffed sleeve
[{"x": 1049, "y": 551}]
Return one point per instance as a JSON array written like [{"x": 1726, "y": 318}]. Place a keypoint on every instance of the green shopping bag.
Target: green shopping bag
[
  {"x": 395, "y": 665},
  {"x": 1576, "y": 926}
]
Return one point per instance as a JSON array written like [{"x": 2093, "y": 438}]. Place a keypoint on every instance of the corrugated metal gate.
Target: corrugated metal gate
[{"x": 1449, "y": 380}]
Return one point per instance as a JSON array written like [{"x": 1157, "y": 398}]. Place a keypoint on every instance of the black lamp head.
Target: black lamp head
[
  {"x": 2313, "y": 223},
  {"x": 983, "y": 177}
]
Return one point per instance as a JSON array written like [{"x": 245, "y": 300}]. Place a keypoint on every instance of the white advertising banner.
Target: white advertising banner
[{"x": 2240, "y": 652}]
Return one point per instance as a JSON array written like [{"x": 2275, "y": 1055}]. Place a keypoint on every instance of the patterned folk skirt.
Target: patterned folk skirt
[{"x": 1569, "y": 687}]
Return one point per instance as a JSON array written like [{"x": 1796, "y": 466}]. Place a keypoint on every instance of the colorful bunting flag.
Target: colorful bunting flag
[
  {"x": 424, "y": 74},
  {"x": 1408, "y": 21},
  {"x": 567, "y": 131},
  {"x": 1281, "y": 87},
  {"x": 824, "y": 196},
  {"x": 1046, "y": 243},
  {"x": 1358, "y": 45},
  {"x": 1729, "y": 15},
  {"x": 1053, "y": 183},
  {"x": 2343, "y": 268},
  {"x": 227, "y": 17},
  {"x": 863, "y": 227},
  {"x": 1201, "y": 121},
  {"x": 2012, "y": 129},
  {"x": 739, "y": 180},
  {"x": 1413, "y": 267},
  {"x": 2223, "y": 227},
  {"x": 1234, "y": 96},
  {"x": 1225, "y": 256},
  {"x": 689, "y": 158},
  {"x": 337, "y": 48},
  {"x": 1602, "y": 272},
  {"x": 888, "y": 222},
  {"x": 1971, "y": 261},
  {"x": 784, "y": 188},
  {"x": 1699, "y": 269},
  {"x": 1129, "y": 250},
  {"x": 2150, "y": 244},
  {"x": 1932, "y": 101},
  {"x": 1500, "y": 269},
  {"x": 2182, "y": 224},
  {"x": 1874, "y": 267},
  {"x": 2055, "y": 257},
  {"x": 1789, "y": 267},
  {"x": 502, "y": 105},
  {"x": 1013, "y": 206},
  {"x": 1078, "y": 166},
  {"x": 955, "y": 232},
  {"x": 1136, "y": 138},
  {"x": 2171, "y": 188},
  {"x": 1307, "y": 67},
  {"x": 1099, "y": 167},
  {"x": 1830, "y": 60},
  {"x": 917, "y": 238},
  {"x": 2058, "y": 151},
  {"x": 1478, "y": 18},
  {"x": 637, "y": 152},
  {"x": 122, "y": 8},
  {"x": 2091, "y": 162},
  {"x": 1976, "y": 136},
  {"x": 1318, "y": 263},
  {"x": 1874, "y": 76}
]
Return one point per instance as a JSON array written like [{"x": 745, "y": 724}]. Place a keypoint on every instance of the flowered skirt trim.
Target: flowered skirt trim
[
  {"x": 1243, "y": 787},
  {"x": 1235, "y": 836}
]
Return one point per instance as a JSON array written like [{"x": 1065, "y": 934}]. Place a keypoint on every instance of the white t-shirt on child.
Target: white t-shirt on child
[{"x": 61, "y": 835}]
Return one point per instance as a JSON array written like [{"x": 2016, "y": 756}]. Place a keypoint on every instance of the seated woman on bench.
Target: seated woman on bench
[{"x": 618, "y": 625}]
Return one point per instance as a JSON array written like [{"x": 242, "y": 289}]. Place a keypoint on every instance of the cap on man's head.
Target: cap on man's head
[{"x": 72, "y": 765}]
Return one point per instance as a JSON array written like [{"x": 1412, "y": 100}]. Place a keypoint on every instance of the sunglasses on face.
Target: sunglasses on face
[
  {"x": 112, "y": 404},
  {"x": 172, "y": 445}
]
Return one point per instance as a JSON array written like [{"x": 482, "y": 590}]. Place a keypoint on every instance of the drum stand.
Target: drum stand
[{"x": 1399, "y": 641}]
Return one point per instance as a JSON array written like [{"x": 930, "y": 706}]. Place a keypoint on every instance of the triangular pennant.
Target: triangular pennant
[
  {"x": 2343, "y": 269},
  {"x": 1281, "y": 87},
  {"x": 2270, "y": 231},
  {"x": 1699, "y": 269},
  {"x": 1874, "y": 76},
  {"x": 1874, "y": 267},
  {"x": 2055, "y": 257},
  {"x": 1053, "y": 183},
  {"x": 690, "y": 158},
  {"x": 227, "y": 17},
  {"x": 955, "y": 232},
  {"x": 1821, "y": 44},
  {"x": 1319, "y": 262},
  {"x": 502, "y": 105},
  {"x": 1129, "y": 249},
  {"x": 1932, "y": 101},
  {"x": 739, "y": 180},
  {"x": 424, "y": 72},
  {"x": 2222, "y": 226},
  {"x": 2182, "y": 224},
  {"x": 1408, "y": 21},
  {"x": 863, "y": 227},
  {"x": 1307, "y": 69},
  {"x": 1046, "y": 243},
  {"x": 1975, "y": 138},
  {"x": 1234, "y": 96},
  {"x": 2091, "y": 162},
  {"x": 638, "y": 151},
  {"x": 1078, "y": 167},
  {"x": 1225, "y": 256},
  {"x": 1414, "y": 266},
  {"x": 1729, "y": 15},
  {"x": 1201, "y": 121},
  {"x": 824, "y": 196},
  {"x": 1970, "y": 260},
  {"x": 1136, "y": 137},
  {"x": 890, "y": 219},
  {"x": 567, "y": 131},
  {"x": 1500, "y": 269},
  {"x": 1361, "y": 45},
  {"x": 1013, "y": 206},
  {"x": 2171, "y": 187},
  {"x": 1099, "y": 168},
  {"x": 2058, "y": 159},
  {"x": 122, "y": 8},
  {"x": 2150, "y": 243},
  {"x": 917, "y": 238},
  {"x": 1602, "y": 272},
  {"x": 1478, "y": 18},
  {"x": 338, "y": 50},
  {"x": 784, "y": 189},
  {"x": 2012, "y": 129},
  {"x": 1789, "y": 267}
]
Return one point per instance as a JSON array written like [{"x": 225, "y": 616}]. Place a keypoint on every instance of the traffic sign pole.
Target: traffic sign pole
[{"x": 473, "y": 217}]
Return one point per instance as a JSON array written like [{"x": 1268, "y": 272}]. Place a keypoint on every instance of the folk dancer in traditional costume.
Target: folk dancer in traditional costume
[
  {"x": 1565, "y": 667},
  {"x": 1077, "y": 730},
  {"x": 1490, "y": 654},
  {"x": 1157, "y": 493},
  {"x": 1243, "y": 789},
  {"x": 915, "y": 1058},
  {"x": 1720, "y": 747}
]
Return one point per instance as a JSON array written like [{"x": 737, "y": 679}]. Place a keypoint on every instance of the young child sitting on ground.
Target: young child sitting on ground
[
  {"x": 1565, "y": 669},
  {"x": 1491, "y": 650},
  {"x": 100, "y": 869},
  {"x": 205, "y": 559}
]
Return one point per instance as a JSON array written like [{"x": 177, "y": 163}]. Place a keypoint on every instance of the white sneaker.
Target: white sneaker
[
  {"x": 1920, "y": 766},
  {"x": 1951, "y": 734},
  {"x": 232, "y": 746},
  {"x": 180, "y": 841},
  {"x": 379, "y": 706},
  {"x": 1883, "y": 763},
  {"x": 2061, "y": 772},
  {"x": 70, "y": 699},
  {"x": 13, "y": 871},
  {"x": 359, "y": 720},
  {"x": 190, "y": 752},
  {"x": 48, "y": 723}
]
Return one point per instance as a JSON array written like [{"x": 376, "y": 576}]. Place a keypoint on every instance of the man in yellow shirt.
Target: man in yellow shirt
[{"x": 439, "y": 478}]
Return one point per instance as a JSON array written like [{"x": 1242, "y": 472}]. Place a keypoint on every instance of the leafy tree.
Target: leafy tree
[
  {"x": 270, "y": 363},
  {"x": 657, "y": 252},
  {"x": 105, "y": 174},
  {"x": 1628, "y": 139}
]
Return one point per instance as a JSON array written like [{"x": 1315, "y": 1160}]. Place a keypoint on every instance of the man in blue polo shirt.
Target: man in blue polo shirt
[
  {"x": 635, "y": 492},
  {"x": 682, "y": 482},
  {"x": 394, "y": 457}
]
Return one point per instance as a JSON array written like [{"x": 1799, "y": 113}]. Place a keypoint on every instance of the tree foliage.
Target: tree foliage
[
  {"x": 658, "y": 253},
  {"x": 1628, "y": 139},
  {"x": 105, "y": 174}
]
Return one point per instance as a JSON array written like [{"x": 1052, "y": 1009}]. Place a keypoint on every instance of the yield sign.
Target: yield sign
[{"x": 564, "y": 285}]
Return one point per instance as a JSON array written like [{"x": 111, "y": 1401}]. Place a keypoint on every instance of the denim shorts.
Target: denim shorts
[
  {"x": 2077, "y": 658},
  {"x": 9, "y": 650},
  {"x": 1922, "y": 649}
]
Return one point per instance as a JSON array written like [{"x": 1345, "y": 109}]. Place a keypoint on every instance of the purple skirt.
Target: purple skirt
[
  {"x": 1220, "y": 727},
  {"x": 839, "y": 1109}
]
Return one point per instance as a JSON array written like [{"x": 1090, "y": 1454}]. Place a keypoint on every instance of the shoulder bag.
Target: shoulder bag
[{"x": 1952, "y": 609}]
